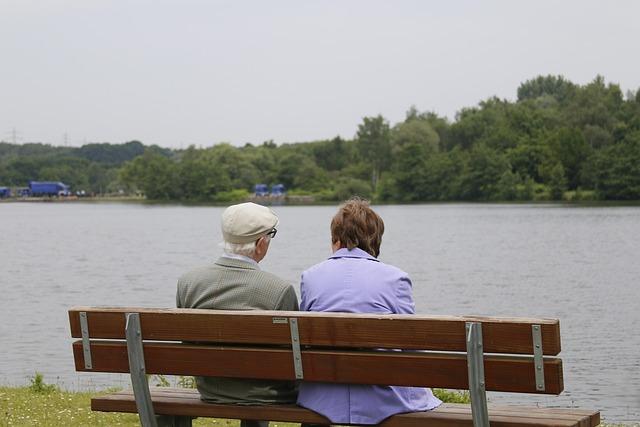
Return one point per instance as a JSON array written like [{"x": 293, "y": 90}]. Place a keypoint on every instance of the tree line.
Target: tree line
[{"x": 556, "y": 140}]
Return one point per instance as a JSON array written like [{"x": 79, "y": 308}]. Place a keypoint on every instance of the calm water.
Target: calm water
[{"x": 581, "y": 265}]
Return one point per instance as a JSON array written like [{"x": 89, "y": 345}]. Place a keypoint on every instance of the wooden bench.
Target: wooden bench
[{"x": 471, "y": 353}]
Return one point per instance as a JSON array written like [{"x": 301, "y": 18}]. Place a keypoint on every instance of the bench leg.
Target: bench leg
[{"x": 173, "y": 421}]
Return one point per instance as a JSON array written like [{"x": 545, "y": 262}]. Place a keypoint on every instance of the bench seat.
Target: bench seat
[{"x": 181, "y": 402}]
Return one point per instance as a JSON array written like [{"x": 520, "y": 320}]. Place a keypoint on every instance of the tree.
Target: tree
[
  {"x": 445, "y": 174},
  {"x": 597, "y": 137},
  {"x": 199, "y": 175},
  {"x": 569, "y": 147},
  {"x": 507, "y": 187},
  {"x": 349, "y": 187},
  {"x": 486, "y": 167},
  {"x": 555, "y": 86},
  {"x": 618, "y": 170},
  {"x": 595, "y": 104},
  {"x": 234, "y": 164},
  {"x": 526, "y": 158},
  {"x": 153, "y": 174},
  {"x": 113, "y": 154},
  {"x": 416, "y": 131},
  {"x": 374, "y": 145},
  {"x": 557, "y": 182},
  {"x": 333, "y": 155},
  {"x": 409, "y": 172},
  {"x": 296, "y": 170}
]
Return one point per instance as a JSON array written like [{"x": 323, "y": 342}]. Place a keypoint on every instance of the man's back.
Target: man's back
[{"x": 237, "y": 284}]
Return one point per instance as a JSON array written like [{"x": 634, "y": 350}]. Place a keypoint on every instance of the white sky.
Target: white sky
[{"x": 184, "y": 72}]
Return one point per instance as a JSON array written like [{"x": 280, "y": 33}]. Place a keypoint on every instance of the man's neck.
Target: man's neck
[{"x": 241, "y": 258}]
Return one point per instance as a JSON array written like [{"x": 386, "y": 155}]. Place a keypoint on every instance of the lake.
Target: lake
[{"x": 578, "y": 264}]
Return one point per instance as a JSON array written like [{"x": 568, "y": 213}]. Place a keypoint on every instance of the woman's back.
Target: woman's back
[
  {"x": 356, "y": 282},
  {"x": 352, "y": 281}
]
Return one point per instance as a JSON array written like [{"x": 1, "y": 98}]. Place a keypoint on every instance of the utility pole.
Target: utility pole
[{"x": 14, "y": 135}]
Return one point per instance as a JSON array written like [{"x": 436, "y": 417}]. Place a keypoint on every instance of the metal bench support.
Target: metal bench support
[
  {"x": 138, "y": 372},
  {"x": 139, "y": 381},
  {"x": 295, "y": 347},
  {"x": 538, "y": 361},
  {"x": 475, "y": 365},
  {"x": 86, "y": 342}
]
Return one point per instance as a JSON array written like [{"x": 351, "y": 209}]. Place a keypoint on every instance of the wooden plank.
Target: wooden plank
[
  {"x": 570, "y": 414},
  {"x": 440, "y": 333},
  {"x": 588, "y": 418},
  {"x": 187, "y": 402},
  {"x": 445, "y": 370}
]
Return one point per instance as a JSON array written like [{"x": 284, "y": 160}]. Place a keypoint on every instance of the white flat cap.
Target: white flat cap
[{"x": 246, "y": 222}]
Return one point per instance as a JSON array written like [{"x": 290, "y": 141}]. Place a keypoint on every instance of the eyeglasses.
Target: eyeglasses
[{"x": 272, "y": 233}]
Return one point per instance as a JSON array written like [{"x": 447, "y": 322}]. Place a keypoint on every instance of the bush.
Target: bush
[
  {"x": 349, "y": 187},
  {"x": 232, "y": 196},
  {"x": 452, "y": 396},
  {"x": 39, "y": 386}
]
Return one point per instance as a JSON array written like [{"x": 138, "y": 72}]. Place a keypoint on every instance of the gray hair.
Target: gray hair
[{"x": 246, "y": 249}]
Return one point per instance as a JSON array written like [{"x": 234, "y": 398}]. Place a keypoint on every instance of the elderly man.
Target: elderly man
[{"x": 236, "y": 282}]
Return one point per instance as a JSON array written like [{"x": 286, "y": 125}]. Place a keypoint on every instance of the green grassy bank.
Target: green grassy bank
[
  {"x": 42, "y": 404},
  {"x": 53, "y": 408},
  {"x": 45, "y": 405}
]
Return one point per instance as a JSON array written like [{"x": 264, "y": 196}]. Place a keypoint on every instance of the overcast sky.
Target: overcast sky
[{"x": 185, "y": 72}]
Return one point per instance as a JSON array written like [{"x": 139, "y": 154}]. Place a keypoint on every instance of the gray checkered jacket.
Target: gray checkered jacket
[{"x": 232, "y": 284}]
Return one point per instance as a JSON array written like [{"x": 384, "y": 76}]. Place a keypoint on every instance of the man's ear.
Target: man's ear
[{"x": 261, "y": 245}]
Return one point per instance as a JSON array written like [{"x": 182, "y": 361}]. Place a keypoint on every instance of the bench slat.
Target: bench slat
[
  {"x": 169, "y": 401},
  {"x": 439, "y": 333},
  {"x": 445, "y": 370}
]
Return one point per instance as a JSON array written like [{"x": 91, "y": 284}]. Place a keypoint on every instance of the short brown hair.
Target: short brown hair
[{"x": 356, "y": 225}]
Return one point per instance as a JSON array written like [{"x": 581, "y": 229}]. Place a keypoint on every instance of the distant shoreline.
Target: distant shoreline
[
  {"x": 306, "y": 201},
  {"x": 72, "y": 199}
]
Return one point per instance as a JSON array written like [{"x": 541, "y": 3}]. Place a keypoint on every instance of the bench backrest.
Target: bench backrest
[{"x": 326, "y": 347}]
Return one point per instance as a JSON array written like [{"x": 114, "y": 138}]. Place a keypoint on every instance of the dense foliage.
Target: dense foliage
[{"x": 557, "y": 140}]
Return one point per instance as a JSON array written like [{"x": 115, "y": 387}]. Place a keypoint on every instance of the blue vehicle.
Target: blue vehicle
[
  {"x": 48, "y": 188},
  {"x": 5, "y": 192},
  {"x": 261, "y": 190},
  {"x": 277, "y": 190}
]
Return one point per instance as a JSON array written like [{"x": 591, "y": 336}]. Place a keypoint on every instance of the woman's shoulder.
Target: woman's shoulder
[
  {"x": 322, "y": 266},
  {"x": 336, "y": 265},
  {"x": 383, "y": 268}
]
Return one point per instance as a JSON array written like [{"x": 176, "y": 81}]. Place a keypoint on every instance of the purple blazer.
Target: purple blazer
[{"x": 352, "y": 281}]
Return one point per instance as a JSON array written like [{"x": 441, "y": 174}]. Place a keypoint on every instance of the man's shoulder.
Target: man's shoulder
[
  {"x": 271, "y": 279},
  {"x": 198, "y": 273}
]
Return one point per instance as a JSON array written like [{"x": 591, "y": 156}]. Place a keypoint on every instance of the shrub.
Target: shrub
[
  {"x": 39, "y": 386},
  {"x": 452, "y": 396},
  {"x": 232, "y": 196}
]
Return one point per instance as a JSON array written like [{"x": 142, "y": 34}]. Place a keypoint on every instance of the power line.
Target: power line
[{"x": 14, "y": 135}]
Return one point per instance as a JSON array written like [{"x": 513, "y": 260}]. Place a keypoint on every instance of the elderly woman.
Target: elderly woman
[{"x": 353, "y": 280}]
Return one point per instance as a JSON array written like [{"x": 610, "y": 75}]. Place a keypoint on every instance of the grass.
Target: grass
[
  {"x": 22, "y": 406},
  {"x": 25, "y": 406},
  {"x": 42, "y": 404}
]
